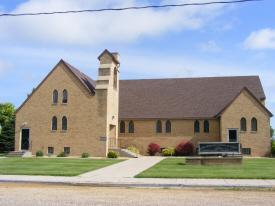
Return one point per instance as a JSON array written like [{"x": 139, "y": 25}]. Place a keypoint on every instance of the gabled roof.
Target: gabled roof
[
  {"x": 112, "y": 56},
  {"x": 87, "y": 82},
  {"x": 182, "y": 98},
  {"x": 257, "y": 100}
]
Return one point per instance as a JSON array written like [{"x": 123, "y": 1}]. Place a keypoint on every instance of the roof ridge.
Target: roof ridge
[{"x": 190, "y": 78}]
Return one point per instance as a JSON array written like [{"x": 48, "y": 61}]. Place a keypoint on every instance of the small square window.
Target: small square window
[
  {"x": 67, "y": 150},
  {"x": 246, "y": 151},
  {"x": 50, "y": 150}
]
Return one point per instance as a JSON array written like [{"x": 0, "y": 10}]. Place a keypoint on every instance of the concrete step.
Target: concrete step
[
  {"x": 125, "y": 153},
  {"x": 15, "y": 154},
  {"x": 131, "y": 153}
]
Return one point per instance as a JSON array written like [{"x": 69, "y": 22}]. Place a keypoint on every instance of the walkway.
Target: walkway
[{"x": 122, "y": 175}]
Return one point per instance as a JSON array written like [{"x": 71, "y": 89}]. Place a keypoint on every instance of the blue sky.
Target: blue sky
[{"x": 193, "y": 41}]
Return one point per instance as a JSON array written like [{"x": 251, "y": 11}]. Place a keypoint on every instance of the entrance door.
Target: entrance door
[
  {"x": 232, "y": 135},
  {"x": 25, "y": 139}
]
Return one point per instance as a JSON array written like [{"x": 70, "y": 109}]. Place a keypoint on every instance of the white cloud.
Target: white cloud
[
  {"x": 98, "y": 27},
  {"x": 185, "y": 73},
  {"x": 210, "y": 46},
  {"x": 262, "y": 39},
  {"x": 5, "y": 66}
]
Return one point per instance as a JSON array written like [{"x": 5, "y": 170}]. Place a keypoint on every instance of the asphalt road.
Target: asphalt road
[{"x": 46, "y": 194}]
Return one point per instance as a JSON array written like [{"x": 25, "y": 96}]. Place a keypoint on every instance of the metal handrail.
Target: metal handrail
[
  {"x": 24, "y": 144},
  {"x": 125, "y": 143}
]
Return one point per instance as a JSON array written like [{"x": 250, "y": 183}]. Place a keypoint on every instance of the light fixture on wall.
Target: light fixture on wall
[{"x": 24, "y": 123}]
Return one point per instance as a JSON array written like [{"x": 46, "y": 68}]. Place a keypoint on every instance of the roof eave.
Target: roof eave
[
  {"x": 253, "y": 96},
  {"x": 113, "y": 58}
]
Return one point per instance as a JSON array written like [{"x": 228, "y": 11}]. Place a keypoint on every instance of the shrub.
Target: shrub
[
  {"x": 273, "y": 149},
  {"x": 85, "y": 155},
  {"x": 39, "y": 153},
  {"x": 153, "y": 148},
  {"x": 168, "y": 152},
  {"x": 62, "y": 154},
  {"x": 133, "y": 149},
  {"x": 184, "y": 148},
  {"x": 112, "y": 154}
]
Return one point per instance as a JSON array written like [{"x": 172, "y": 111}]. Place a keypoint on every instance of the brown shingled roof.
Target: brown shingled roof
[
  {"x": 87, "y": 82},
  {"x": 183, "y": 97}
]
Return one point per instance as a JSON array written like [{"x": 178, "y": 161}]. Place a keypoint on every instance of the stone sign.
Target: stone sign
[{"x": 219, "y": 147}]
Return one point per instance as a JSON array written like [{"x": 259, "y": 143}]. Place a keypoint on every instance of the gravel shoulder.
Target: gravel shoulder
[{"x": 45, "y": 194}]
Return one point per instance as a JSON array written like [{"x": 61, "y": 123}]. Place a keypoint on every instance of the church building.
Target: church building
[{"x": 68, "y": 111}]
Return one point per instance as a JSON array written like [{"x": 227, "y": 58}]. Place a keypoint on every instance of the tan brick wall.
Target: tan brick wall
[
  {"x": 112, "y": 91},
  {"x": 246, "y": 106},
  {"x": 86, "y": 117},
  {"x": 181, "y": 130}
]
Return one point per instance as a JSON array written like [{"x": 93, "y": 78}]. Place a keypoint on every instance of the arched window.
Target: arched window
[
  {"x": 115, "y": 78},
  {"x": 196, "y": 126},
  {"x": 159, "y": 127},
  {"x": 54, "y": 123},
  {"x": 206, "y": 126},
  {"x": 55, "y": 97},
  {"x": 65, "y": 96},
  {"x": 64, "y": 123},
  {"x": 131, "y": 127},
  {"x": 243, "y": 124},
  {"x": 122, "y": 127},
  {"x": 168, "y": 127},
  {"x": 254, "y": 124}
]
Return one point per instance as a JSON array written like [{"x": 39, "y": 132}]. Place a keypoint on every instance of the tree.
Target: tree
[
  {"x": 271, "y": 132},
  {"x": 31, "y": 92},
  {"x": 6, "y": 112},
  {"x": 7, "y": 135}
]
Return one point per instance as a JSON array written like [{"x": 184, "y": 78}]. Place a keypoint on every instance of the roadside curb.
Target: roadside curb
[{"x": 141, "y": 185}]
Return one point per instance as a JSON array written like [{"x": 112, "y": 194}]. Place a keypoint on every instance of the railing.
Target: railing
[
  {"x": 113, "y": 143},
  {"x": 124, "y": 144},
  {"x": 25, "y": 146}
]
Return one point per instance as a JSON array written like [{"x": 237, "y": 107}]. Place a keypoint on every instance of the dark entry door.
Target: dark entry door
[
  {"x": 25, "y": 139},
  {"x": 232, "y": 135}
]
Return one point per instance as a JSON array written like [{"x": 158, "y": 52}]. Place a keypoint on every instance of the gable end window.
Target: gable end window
[
  {"x": 65, "y": 96},
  {"x": 55, "y": 97},
  {"x": 122, "y": 127},
  {"x": 206, "y": 126},
  {"x": 168, "y": 127},
  {"x": 159, "y": 127},
  {"x": 115, "y": 79},
  {"x": 196, "y": 126},
  {"x": 254, "y": 124},
  {"x": 54, "y": 123},
  {"x": 64, "y": 123},
  {"x": 243, "y": 125},
  {"x": 131, "y": 127}
]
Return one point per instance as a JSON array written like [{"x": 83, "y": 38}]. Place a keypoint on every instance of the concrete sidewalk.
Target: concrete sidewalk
[{"x": 122, "y": 175}]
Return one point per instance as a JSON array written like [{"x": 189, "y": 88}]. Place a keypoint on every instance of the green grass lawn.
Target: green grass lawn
[
  {"x": 52, "y": 166},
  {"x": 176, "y": 168}
]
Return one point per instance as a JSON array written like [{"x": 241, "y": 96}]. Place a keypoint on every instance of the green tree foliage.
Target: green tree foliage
[
  {"x": 6, "y": 112},
  {"x": 271, "y": 131},
  {"x": 273, "y": 149},
  {"x": 31, "y": 92},
  {"x": 7, "y": 136}
]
